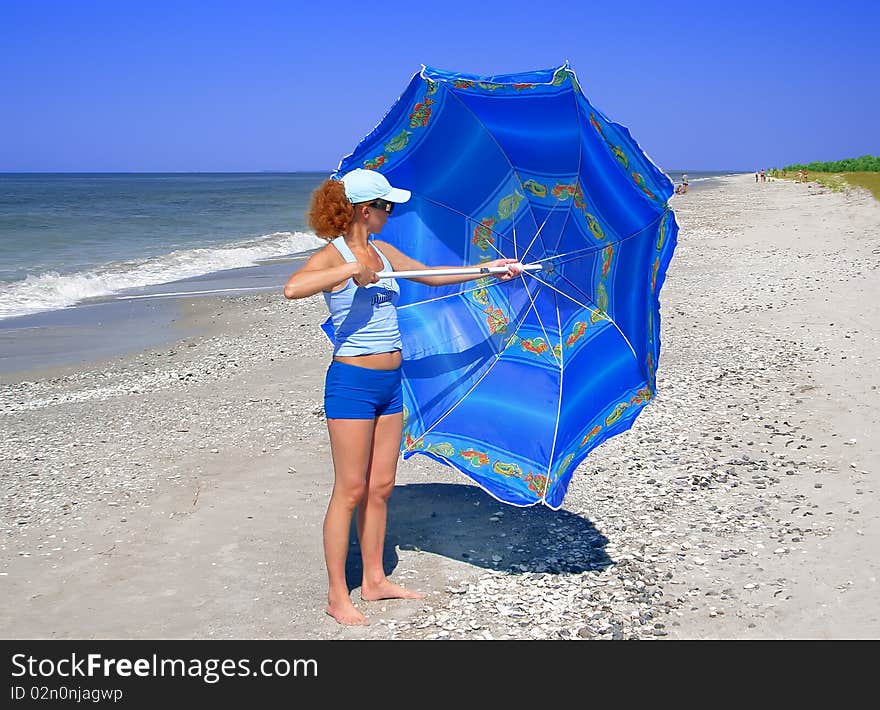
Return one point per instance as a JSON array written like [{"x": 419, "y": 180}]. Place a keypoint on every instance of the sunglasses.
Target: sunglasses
[{"x": 388, "y": 207}]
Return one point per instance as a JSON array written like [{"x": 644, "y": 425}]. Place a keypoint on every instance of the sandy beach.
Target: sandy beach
[{"x": 179, "y": 492}]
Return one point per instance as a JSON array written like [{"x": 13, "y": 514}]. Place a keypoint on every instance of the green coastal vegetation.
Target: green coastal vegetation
[{"x": 836, "y": 174}]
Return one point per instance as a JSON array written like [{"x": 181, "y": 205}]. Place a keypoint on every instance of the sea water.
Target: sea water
[{"x": 68, "y": 238}]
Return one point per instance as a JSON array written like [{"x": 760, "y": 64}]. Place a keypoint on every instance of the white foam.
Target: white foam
[{"x": 51, "y": 290}]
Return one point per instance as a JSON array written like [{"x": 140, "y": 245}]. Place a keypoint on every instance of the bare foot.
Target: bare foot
[
  {"x": 347, "y": 614},
  {"x": 386, "y": 589}
]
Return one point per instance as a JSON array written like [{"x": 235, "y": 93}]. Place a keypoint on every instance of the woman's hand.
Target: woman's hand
[
  {"x": 514, "y": 268},
  {"x": 363, "y": 275}
]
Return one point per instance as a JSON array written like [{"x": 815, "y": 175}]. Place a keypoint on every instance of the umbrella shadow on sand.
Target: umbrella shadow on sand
[{"x": 465, "y": 523}]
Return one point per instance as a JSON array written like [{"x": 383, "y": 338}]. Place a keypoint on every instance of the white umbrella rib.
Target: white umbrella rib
[
  {"x": 561, "y": 293},
  {"x": 538, "y": 233},
  {"x": 538, "y": 315},
  {"x": 467, "y": 217},
  {"x": 559, "y": 401}
]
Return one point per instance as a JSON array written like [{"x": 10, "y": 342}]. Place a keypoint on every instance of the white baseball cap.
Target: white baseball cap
[{"x": 365, "y": 185}]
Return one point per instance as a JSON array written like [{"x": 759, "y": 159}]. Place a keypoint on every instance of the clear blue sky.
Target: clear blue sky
[{"x": 249, "y": 86}]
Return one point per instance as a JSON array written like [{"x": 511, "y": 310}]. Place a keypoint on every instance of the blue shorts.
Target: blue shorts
[{"x": 352, "y": 392}]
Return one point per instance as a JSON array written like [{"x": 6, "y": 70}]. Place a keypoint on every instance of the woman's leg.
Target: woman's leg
[
  {"x": 373, "y": 510},
  {"x": 350, "y": 442}
]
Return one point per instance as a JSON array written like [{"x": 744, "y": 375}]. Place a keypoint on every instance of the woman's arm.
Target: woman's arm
[
  {"x": 401, "y": 262},
  {"x": 323, "y": 272}
]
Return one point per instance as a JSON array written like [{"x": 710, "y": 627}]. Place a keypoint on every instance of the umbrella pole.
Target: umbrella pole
[{"x": 458, "y": 271}]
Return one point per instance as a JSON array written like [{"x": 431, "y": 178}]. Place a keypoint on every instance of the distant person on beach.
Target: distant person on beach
[
  {"x": 756, "y": 176},
  {"x": 684, "y": 183},
  {"x": 363, "y": 398}
]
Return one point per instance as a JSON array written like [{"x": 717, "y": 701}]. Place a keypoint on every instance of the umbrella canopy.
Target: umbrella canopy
[{"x": 514, "y": 383}]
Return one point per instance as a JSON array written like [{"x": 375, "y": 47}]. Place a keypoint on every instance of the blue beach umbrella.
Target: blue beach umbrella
[{"x": 514, "y": 383}]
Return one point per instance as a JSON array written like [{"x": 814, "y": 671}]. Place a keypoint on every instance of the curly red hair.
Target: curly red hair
[{"x": 330, "y": 212}]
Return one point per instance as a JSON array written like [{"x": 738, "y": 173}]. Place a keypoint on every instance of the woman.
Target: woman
[{"x": 362, "y": 396}]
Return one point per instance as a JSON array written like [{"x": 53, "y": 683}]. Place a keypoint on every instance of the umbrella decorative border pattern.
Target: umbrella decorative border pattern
[{"x": 514, "y": 383}]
